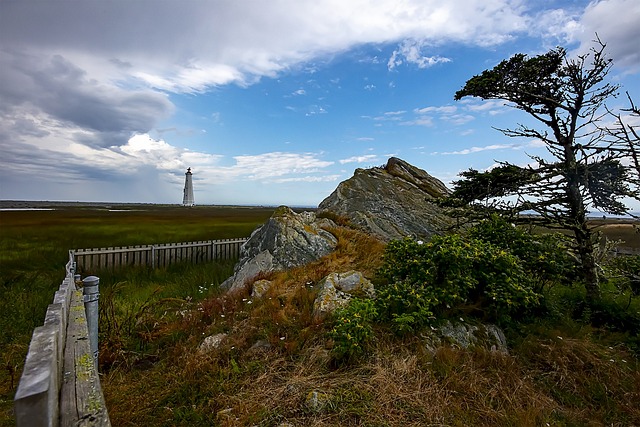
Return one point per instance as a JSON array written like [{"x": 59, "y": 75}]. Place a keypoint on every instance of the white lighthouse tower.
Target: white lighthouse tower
[{"x": 187, "y": 199}]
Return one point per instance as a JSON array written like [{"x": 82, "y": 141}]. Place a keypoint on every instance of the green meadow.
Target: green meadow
[{"x": 34, "y": 247}]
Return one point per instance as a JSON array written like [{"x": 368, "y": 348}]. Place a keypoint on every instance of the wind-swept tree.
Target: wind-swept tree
[{"x": 590, "y": 165}]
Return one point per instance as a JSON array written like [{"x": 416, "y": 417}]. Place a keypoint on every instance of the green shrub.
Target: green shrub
[
  {"x": 545, "y": 256},
  {"x": 426, "y": 279},
  {"x": 352, "y": 330}
]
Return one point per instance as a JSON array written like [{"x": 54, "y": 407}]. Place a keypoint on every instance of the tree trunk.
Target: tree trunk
[
  {"x": 578, "y": 222},
  {"x": 588, "y": 267}
]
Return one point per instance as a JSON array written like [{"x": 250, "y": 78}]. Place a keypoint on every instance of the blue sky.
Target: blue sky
[{"x": 268, "y": 102}]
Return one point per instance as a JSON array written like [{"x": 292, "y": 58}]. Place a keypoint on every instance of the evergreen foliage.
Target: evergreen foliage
[{"x": 588, "y": 167}]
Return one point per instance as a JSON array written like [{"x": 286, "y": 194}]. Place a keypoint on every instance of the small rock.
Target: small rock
[
  {"x": 316, "y": 401},
  {"x": 211, "y": 343},
  {"x": 260, "y": 287},
  {"x": 336, "y": 290},
  {"x": 461, "y": 335},
  {"x": 329, "y": 299},
  {"x": 288, "y": 239}
]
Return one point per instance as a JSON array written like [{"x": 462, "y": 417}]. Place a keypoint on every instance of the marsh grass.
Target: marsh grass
[{"x": 34, "y": 250}]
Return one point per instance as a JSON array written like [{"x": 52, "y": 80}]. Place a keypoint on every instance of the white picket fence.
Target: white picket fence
[{"x": 156, "y": 256}]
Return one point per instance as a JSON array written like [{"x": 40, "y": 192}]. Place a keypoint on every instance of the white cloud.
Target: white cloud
[
  {"x": 490, "y": 106},
  {"x": 322, "y": 178},
  {"x": 536, "y": 143},
  {"x": 190, "y": 47},
  {"x": 458, "y": 119},
  {"x": 420, "y": 121},
  {"x": 410, "y": 51},
  {"x": 479, "y": 149},
  {"x": 447, "y": 109},
  {"x": 616, "y": 23},
  {"x": 369, "y": 158},
  {"x": 270, "y": 165}
]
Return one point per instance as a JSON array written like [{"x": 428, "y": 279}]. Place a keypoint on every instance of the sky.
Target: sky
[{"x": 269, "y": 102}]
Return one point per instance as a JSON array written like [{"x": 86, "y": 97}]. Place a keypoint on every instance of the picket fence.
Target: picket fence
[{"x": 157, "y": 256}]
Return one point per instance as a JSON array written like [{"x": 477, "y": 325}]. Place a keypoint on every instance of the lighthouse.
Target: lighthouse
[{"x": 187, "y": 199}]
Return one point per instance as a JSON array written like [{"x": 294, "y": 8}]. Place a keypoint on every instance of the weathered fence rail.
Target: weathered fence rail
[
  {"x": 159, "y": 255},
  {"x": 59, "y": 385}
]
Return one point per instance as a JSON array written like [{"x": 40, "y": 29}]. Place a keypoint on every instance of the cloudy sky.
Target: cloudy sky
[{"x": 268, "y": 102}]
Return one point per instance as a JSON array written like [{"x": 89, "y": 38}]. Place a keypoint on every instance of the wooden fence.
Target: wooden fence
[
  {"x": 156, "y": 256},
  {"x": 59, "y": 385}
]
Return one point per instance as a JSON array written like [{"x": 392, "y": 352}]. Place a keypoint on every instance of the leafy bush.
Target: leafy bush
[
  {"x": 545, "y": 257},
  {"x": 352, "y": 329},
  {"x": 425, "y": 279}
]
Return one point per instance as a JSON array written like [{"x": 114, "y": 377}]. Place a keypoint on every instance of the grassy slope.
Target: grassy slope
[
  {"x": 567, "y": 374},
  {"x": 152, "y": 323}
]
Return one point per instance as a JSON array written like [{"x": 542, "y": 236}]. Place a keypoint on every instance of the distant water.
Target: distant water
[{"x": 26, "y": 209}]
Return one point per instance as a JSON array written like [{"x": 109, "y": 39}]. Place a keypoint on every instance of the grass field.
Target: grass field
[
  {"x": 152, "y": 320},
  {"x": 34, "y": 248}
]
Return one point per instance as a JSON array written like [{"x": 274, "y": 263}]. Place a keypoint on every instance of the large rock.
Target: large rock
[
  {"x": 391, "y": 202},
  {"x": 286, "y": 240}
]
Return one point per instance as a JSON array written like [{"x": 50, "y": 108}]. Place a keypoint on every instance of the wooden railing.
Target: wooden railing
[
  {"x": 60, "y": 384},
  {"x": 156, "y": 256}
]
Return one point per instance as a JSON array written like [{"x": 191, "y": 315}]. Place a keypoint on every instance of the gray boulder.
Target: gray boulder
[
  {"x": 286, "y": 240},
  {"x": 391, "y": 202},
  {"x": 463, "y": 335},
  {"x": 335, "y": 291}
]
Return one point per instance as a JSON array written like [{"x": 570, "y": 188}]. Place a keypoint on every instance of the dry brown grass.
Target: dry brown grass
[
  {"x": 397, "y": 386},
  {"x": 544, "y": 381}
]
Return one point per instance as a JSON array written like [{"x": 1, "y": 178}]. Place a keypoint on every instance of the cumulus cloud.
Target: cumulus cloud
[
  {"x": 180, "y": 48},
  {"x": 269, "y": 165},
  {"x": 616, "y": 23},
  {"x": 56, "y": 92}
]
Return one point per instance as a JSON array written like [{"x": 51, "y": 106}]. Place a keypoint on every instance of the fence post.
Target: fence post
[{"x": 91, "y": 293}]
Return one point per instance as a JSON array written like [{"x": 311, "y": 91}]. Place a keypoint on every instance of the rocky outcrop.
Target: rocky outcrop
[
  {"x": 390, "y": 202},
  {"x": 286, "y": 240}
]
